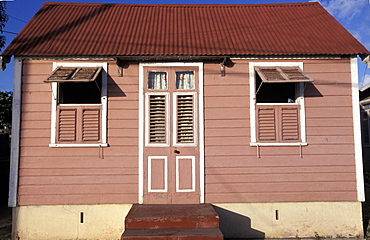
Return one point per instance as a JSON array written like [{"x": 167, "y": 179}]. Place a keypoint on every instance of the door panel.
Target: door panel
[{"x": 171, "y": 151}]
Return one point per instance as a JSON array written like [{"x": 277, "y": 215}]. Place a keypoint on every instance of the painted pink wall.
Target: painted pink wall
[{"x": 233, "y": 171}]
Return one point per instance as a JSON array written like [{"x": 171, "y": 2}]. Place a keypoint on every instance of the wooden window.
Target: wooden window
[
  {"x": 74, "y": 74},
  {"x": 278, "y": 123},
  {"x": 185, "y": 80},
  {"x": 185, "y": 118},
  {"x": 277, "y": 93},
  {"x": 79, "y": 95},
  {"x": 282, "y": 74},
  {"x": 157, "y": 119},
  {"x": 78, "y": 124},
  {"x": 157, "y": 80}
]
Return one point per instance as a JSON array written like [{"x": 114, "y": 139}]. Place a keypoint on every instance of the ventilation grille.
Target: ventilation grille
[
  {"x": 266, "y": 124},
  {"x": 290, "y": 126},
  {"x": 185, "y": 117},
  {"x": 90, "y": 125},
  {"x": 67, "y": 125},
  {"x": 157, "y": 125}
]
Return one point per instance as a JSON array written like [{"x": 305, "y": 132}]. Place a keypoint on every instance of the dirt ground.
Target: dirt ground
[{"x": 5, "y": 223}]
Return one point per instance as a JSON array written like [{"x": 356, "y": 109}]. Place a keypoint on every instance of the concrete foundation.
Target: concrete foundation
[{"x": 237, "y": 220}]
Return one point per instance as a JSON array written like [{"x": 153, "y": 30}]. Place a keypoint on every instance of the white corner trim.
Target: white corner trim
[
  {"x": 357, "y": 131},
  {"x": 201, "y": 133},
  {"x": 16, "y": 122},
  {"x": 141, "y": 135}
]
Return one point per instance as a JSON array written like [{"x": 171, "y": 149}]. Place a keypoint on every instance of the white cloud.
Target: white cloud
[{"x": 344, "y": 9}]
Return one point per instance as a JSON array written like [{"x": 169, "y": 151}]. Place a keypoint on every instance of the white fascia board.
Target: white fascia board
[
  {"x": 16, "y": 123},
  {"x": 357, "y": 132}
]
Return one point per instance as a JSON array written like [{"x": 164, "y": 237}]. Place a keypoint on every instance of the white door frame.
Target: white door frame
[{"x": 142, "y": 123}]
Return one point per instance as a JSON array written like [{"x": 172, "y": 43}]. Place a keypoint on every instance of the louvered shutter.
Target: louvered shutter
[
  {"x": 289, "y": 123},
  {"x": 67, "y": 125},
  {"x": 157, "y": 119},
  {"x": 185, "y": 119},
  {"x": 90, "y": 124},
  {"x": 266, "y": 124}
]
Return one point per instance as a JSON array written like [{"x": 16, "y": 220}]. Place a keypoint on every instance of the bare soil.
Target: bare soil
[{"x": 5, "y": 223}]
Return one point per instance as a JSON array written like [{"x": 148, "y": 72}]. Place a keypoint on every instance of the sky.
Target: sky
[{"x": 354, "y": 15}]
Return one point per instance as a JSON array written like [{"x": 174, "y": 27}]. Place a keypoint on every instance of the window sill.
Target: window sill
[
  {"x": 254, "y": 144},
  {"x": 67, "y": 145}
]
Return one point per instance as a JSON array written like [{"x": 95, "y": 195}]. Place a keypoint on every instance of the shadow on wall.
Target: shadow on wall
[{"x": 234, "y": 225}]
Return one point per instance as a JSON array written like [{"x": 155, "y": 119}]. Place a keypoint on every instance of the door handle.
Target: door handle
[{"x": 176, "y": 151}]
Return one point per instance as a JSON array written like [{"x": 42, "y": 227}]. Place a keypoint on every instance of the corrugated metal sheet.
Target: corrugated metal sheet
[{"x": 71, "y": 29}]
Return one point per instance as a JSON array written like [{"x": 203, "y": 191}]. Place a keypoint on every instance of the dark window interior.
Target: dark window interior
[
  {"x": 80, "y": 92},
  {"x": 275, "y": 92}
]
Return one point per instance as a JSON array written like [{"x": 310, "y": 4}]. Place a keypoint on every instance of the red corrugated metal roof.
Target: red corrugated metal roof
[{"x": 72, "y": 29}]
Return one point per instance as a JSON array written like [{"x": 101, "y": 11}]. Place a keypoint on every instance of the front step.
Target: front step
[
  {"x": 175, "y": 222},
  {"x": 173, "y": 234}
]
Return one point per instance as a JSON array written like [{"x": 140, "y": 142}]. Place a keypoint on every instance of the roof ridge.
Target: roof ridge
[{"x": 188, "y": 5}]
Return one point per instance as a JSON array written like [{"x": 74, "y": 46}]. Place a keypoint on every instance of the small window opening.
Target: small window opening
[
  {"x": 80, "y": 92},
  {"x": 275, "y": 92}
]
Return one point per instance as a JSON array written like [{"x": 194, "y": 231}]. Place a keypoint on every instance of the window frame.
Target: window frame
[
  {"x": 253, "y": 104},
  {"x": 103, "y": 104}
]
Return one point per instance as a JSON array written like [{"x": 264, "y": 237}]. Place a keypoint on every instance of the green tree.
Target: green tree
[
  {"x": 3, "y": 20},
  {"x": 6, "y": 109}
]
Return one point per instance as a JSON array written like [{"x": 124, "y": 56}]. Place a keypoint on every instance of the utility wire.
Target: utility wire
[
  {"x": 10, "y": 32},
  {"x": 17, "y": 19}
]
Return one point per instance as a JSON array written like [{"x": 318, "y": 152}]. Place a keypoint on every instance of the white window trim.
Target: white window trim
[
  {"x": 104, "y": 101},
  {"x": 300, "y": 101}
]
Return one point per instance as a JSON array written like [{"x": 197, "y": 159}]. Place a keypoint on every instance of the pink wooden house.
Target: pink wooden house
[{"x": 250, "y": 108}]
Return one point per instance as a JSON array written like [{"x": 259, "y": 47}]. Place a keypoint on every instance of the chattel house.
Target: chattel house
[{"x": 244, "y": 115}]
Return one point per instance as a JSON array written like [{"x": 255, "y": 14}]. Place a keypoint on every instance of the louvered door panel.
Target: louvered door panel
[
  {"x": 90, "y": 124},
  {"x": 290, "y": 123},
  {"x": 67, "y": 125},
  {"x": 157, "y": 119},
  {"x": 185, "y": 119},
  {"x": 266, "y": 124}
]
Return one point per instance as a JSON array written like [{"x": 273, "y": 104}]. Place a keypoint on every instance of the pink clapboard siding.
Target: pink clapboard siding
[
  {"x": 233, "y": 171},
  {"x": 78, "y": 175}
]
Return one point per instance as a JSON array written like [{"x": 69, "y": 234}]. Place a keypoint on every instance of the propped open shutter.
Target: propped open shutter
[
  {"x": 74, "y": 74},
  {"x": 282, "y": 74},
  {"x": 157, "y": 119},
  {"x": 91, "y": 125},
  {"x": 185, "y": 119},
  {"x": 266, "y": 124},
  {"x": 67, "y": 125},
  {"x": 290, "y": 123}
]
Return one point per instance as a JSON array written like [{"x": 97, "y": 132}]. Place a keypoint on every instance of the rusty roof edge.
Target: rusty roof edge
[
  {"x": 186, "y": 5},
  {"x": 182, "y": 57}
]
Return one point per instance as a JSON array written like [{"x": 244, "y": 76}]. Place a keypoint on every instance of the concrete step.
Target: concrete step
[
  {"x": 157, "y": 216},
  {"x": 173, "y": 234}
]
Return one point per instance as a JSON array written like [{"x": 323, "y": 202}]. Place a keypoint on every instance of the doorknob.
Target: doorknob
[{"x": 176, "y": 151}]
